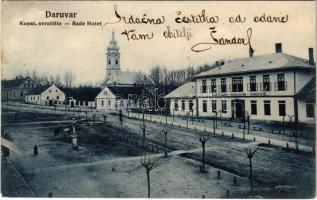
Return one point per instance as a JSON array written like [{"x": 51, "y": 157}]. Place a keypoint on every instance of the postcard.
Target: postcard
[{"x": 158, "y": 99}]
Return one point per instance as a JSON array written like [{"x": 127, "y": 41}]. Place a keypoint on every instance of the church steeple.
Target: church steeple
[{"x": 113, "y": 57}]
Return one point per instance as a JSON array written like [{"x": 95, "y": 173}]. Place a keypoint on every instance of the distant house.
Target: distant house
[
  {"x": 119, "y": 97},
  {"x": 45, "y": 95},
  {"x": 82, "y": 96},
  {"x": 16, "y": 89},
  {"x": 182, "y": 100}
]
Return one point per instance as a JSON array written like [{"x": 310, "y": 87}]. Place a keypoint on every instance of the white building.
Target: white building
[
  {"x": 45, "y": 95},
  {"x": 265, "y": 86},
  {"x": 119, "y": 97},
  {"x": 183, "y": 100}
]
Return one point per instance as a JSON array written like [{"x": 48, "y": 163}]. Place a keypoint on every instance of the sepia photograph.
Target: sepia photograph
[{"x": 158, "y": 99}]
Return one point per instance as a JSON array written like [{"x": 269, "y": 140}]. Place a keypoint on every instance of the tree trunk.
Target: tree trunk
[
  {"x": 251, "y": 176},
  {"x": 248, "y": 125},
  {"x": 148, "y": 184},
  {"x": 203, "y": 158},
  {"x": 165, "y": 152}
]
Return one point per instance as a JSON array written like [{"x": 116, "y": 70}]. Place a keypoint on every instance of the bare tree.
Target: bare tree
[
  {"x": 166, "y": 130},
  {"x": 148, "y": 164},
  {"x": 68, "y": 79},
  {"x": 250, "y": 153},
  {"x": 203, "y": 139}
]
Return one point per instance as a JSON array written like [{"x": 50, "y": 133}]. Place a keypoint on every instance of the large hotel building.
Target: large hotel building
[{"x": 269, "y": 87}]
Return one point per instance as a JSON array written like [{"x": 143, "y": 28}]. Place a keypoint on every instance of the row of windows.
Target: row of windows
[
  {"x": 32, "y": 98},
  {"x": 51, "y": 91},
  {"x": 38, "y": 98},
  {"x": 267, "y": 107},
  {"x": 253, "y": 86},
  {"x": 183, "y": 105},
  {"x": 13, "y": 94}
]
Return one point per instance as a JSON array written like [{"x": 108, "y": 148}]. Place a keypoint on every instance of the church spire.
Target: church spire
[{"x": 113, "y": 42}]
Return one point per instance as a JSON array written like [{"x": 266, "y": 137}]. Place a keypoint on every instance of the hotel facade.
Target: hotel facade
[{"x": 267, "y": 87}]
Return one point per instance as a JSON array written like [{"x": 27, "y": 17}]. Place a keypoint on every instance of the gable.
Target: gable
[{"x": 105, "y": 93}]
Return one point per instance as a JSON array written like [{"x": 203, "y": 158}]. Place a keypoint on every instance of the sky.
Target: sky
[{"x": 82, "y": 49}]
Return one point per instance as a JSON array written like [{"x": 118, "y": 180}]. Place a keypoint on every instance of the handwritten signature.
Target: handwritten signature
[{"x": 204, "y": 46}]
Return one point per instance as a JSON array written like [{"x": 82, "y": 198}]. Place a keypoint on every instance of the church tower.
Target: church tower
[{"x": 113, "y": 58}]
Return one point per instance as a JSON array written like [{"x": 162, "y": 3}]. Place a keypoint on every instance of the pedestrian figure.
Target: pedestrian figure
[
  {"x": 120, "y": 117},
  {"x": 35, "y": 150},
  {"x": 50, "y": 195}
]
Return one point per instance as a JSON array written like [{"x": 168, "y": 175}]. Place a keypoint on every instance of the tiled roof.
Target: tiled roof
[
  {"x": 13, "y": 83},
  {"x": 186, "y": 90},
  {"x": 38, "y": 90},
  {"x": 125, "y": 91},
  {"x": 82, "y": 93},
  {"x": 258, "y": 63},
  {"x": 123, "y": 78},
  {"x": 308, "y": 92}
]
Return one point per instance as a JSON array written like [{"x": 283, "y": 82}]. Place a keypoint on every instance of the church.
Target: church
[
  {"x": 119, "y": 86},
  {"x": 114, "y": 75}
]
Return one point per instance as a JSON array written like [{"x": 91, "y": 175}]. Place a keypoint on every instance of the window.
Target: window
[
  {"x": 57, "y": 97},
  {"x": 204, "y": 106},
  {"x": 213, "y": 87},
  {"x": 266, "y": 85},
  {"x": 176, "y": 104},
  {"x": 102, "y": 102},
  {"x": 237, "y": 84},
  {"x": 109, "y": 62},
  {"x": 38, "y": 98},
  {"x": 21, "y": 94},
  {"x": 223, "y": 85},
  {"x": 267, "y": 107},
  {"x": 253, "y": 86},
  {"x": 49, "y": 91},
  {"x": 281, "y": 84},
  {"x": 204, "y": 86},
  {"x": 310, "y": 110},
  {"x": 109, "y": 103},
  {"x": 191, "y": 105},
  {"x": 214, "y": 106},
  {"x": 55, "y": 90},
  {"x": 117, "y": 62},
  {"x": 253, "y": 108},
  {"x": 47, "y": 97},
  {"x": 183, "y": 104},
  {"x": 224, "y": 106},
  {"x": 281, "y": 108}
]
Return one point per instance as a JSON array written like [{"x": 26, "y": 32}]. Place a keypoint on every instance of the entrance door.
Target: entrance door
[
  {"x": 238, "y": 109},
  {"x": 50, "y": 102}
]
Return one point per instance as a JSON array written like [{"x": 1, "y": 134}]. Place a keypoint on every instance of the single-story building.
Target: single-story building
[
  {"x": 119, "y": 97},
  {"x": 48, "y": 95},
  {"x": 183, "y": 99},
  {"x": 81, "y": 96}
]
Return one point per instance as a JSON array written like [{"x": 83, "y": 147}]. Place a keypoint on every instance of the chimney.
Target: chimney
[
  {"x": 311, "y": 56},
  {"x": 278, "y": 48}
]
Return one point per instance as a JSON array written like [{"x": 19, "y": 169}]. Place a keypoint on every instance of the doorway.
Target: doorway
[{"x": 238, "y": 108}]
